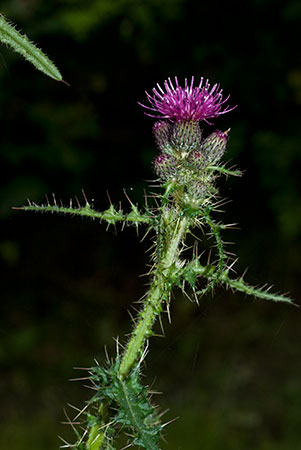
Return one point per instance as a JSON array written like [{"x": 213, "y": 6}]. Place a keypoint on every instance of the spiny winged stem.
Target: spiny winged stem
[{"x": 174, "y": 228}]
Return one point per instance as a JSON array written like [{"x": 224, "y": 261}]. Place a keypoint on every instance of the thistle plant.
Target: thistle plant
[{"x": 189, "y": 162}]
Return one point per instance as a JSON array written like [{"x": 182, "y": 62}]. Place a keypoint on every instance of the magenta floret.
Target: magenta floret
[{"x": 191, "y": 103}]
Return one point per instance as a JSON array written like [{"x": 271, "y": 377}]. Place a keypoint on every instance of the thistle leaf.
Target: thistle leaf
[
  {"x": 22, "y": 45},
  {"x": 111, "y": 215},
  {"x": 263, "y": 293},
  {"x": 224, "y": 171},
  {"x": 119, "y": 405}
]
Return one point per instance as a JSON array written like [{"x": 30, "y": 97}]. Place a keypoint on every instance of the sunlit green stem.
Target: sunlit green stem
[{"x": 158, "y": 292}]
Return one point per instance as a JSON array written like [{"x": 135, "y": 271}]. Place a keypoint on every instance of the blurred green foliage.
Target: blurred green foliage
[{"x": 229, "y": 369}]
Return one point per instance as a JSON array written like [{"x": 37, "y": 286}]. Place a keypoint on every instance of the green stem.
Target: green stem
[{"x": 158, "y": 292}]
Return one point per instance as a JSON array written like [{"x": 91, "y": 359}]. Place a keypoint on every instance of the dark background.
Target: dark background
[{"x": 230, "y": 368}]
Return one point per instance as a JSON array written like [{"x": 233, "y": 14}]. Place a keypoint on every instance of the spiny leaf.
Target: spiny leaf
[
  {"x": 22, "y": 45},
  {"x": 118, "y": 405},
  {"x": 111, "y": 215},
  {"x": 195, "y": 269},
  {"x": 240, "y": 285},
  {"x": 224, "y": 171},
  {"x": 135, "y": 412},
  {"x": 135, "y": 216}
]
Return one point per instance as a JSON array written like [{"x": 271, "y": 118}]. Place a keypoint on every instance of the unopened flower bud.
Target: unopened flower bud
[
  {"x": 214, "y": 146},
  {"x": 198, "y": 190},
  {"x": 162, "y": 132},
  {"x": 197, "y": 160},
  {"x": 186, "y": 136},
  {"x": 165, "y": 166}
]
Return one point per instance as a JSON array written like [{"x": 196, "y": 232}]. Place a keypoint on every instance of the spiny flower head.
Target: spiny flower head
[
  {"x": 214, "y": 146},
  {"x": 165, "y": 166},
  {"x": 188, "y": 103},
  {"x": 162, "y": 131}
]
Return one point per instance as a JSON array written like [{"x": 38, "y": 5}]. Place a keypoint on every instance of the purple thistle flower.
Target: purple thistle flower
[{"x": 186, "y": 104}]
